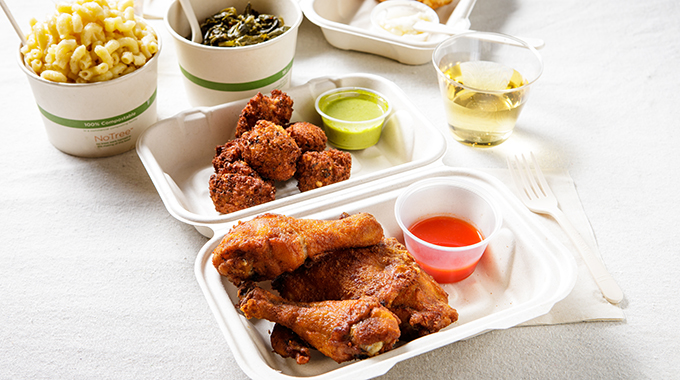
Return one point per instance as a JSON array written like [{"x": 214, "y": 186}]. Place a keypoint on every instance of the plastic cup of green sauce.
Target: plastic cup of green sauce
[{"x": 353, "y": 117}]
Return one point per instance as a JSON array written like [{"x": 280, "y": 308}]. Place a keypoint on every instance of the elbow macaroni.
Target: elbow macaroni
[{"x": 89, "y": 41}]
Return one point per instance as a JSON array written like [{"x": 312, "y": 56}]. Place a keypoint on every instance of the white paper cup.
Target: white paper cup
[
  {"x": 97, "y": 119},
  {"x": 216, "y": 75}
]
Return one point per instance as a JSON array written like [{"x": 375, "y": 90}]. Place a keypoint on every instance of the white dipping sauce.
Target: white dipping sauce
[{"x": 399, "y": 19}]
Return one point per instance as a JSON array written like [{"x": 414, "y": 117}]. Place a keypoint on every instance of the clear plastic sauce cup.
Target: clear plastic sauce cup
[{"x": 460, "y": 199}]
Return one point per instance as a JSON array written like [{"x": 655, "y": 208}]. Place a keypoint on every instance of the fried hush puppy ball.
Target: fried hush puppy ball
[
  {"x": 270, "y": 151},
  {"x": 237, "y": 186},
  {"x": 225, "y": 154},
  {"x": 318, "y": 169},
  {"x": 308, "y": 136},
  {"x": 277, "y": 108}
]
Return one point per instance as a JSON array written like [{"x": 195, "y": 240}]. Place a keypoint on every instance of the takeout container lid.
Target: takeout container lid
[
  {"x": 523, "y": 273},
  {"x": 347, "y": 25},
  {"x": 216, "y": 75}
]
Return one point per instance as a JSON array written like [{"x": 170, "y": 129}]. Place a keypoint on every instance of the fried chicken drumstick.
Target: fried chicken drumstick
[
  {"x": 342, "y": 330},
  {"x": 269, "y": 245}
]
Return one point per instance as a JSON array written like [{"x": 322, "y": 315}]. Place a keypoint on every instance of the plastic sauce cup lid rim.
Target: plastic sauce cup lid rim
[
  {"x": 451, "y": 183},
  {"x": 446, "y": 248},
  {"x": 376, "y": 94}
]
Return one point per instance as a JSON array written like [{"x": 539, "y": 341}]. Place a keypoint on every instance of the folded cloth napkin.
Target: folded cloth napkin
[{"x": 585, "y": 302}]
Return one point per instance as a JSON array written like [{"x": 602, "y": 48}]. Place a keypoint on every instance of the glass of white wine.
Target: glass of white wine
[{"x": 484, "y": 79}]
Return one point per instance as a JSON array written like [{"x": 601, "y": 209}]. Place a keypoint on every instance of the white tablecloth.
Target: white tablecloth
[{"x": 97, "y": 280}]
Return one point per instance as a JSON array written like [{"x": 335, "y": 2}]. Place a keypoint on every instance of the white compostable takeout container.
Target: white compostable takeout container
[
  {"x": 97, "y": 119},
  {"x": 522, "y": 274},
  {"x": 346, "y": 24},
  {"x": 215, "y": 75}
]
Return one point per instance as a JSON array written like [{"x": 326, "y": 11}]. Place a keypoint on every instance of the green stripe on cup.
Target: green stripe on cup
[
  {"x": 101, "y": 123},
  {"x": 234, "y": 87}
]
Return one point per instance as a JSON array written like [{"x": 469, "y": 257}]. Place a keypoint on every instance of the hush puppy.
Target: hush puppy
[
  {"x": 270, "y": 151},
  {"x": 308, "y": 136},
  {"x": 317, "y": 169},
  {"x": 225, "y": 154},
  {"x": 277, "y": 108},
  {"x": 237, "y": 186}
]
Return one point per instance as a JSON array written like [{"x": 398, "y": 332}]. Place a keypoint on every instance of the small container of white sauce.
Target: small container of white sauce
[{"x": 395, "y": 18}]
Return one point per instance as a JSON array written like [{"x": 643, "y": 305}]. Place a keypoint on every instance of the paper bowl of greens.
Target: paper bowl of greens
[{"x": 249, "y": 47}]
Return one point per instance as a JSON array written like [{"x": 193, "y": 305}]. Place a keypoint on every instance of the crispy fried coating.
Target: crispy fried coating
[
  {"x": 381, "y": 270},
  {"x": 277, "y": 108},
  {"x": 342, "y": 330},
  {"x": 225, "y": 154},
  {"x": 288, "y": 344},
  {"x": 269, "y": 150},
  {"x": 386, "y": 271},
  {"x": 237, "y": 186},
  {"x": 308, "y": 136},
  {"x": 317, "y": 169},
  {"x": 269, "y": 244},
  {"x": 434, "y": 4},
  {"x": 423, "y": 307},
  {"x": 238, "y": 167}
]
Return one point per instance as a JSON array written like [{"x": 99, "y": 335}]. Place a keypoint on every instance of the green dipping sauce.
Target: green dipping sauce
[
  {"x": 356, "y": 108},
  {"x": 353, "y": 118}
]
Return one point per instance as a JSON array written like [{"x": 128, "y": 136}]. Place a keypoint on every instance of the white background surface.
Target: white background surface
[{"x": 97, "y": 281}]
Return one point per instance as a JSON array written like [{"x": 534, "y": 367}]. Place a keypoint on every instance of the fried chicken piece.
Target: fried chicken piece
[
  {"x": 434, "y": 4},
  {"x": 277, "y": 108},
  {"x": 237, "y": 186},
  {"x": 318, "y": 169},
  {"x": 424, "y": 307},
  {"x": 227, "y": 153},
  {"x": 288, "y": 344},
  {"x": 386, "y": 271},
  {"x": 270, "y": 244},
  {"x": 269, "y": 150},
  {"x": 382, "y": 271},
  {"x": 308, "y": 136},
  {"x": 342, "y": 330}
]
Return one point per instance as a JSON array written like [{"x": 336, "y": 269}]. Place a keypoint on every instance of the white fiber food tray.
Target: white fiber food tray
[
  {"x": 177, "y": 152},
  {"x": 523, "y": 273},
  {"x": 346, "y": 24}
]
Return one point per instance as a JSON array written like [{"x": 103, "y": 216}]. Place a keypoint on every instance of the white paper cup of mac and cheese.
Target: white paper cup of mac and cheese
[
  {"x": 93, "y": 69},
  {"x": 97, "y": 119},
  {"x": 214, "y": 75}
]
